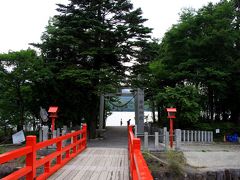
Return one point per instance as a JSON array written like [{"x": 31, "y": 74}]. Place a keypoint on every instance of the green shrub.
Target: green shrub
[
  {"x": 226, "y": 128},
  {"x": 176, "y": 161},
  {"x": 2, "y": 149}
]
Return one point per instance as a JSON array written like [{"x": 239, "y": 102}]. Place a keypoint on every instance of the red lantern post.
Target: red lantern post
[
  {"x": 53, "y": 115},
  {"x": 171, "y": 116}
]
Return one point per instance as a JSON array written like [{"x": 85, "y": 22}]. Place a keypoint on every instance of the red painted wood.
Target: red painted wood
[
  {"x": 31, "y": 157},
  {"x": 14, "y": 154},
  {"x": 30, "y": 151},
  {"x": 137, "y": 164},
  {"x": 19, "y": 173},
  {"x": 171, "y": 133}
]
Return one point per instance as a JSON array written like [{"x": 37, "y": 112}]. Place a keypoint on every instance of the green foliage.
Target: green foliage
[
  {"x": 87, "y": 45},
  {"x": 225, "y": 127},
  {"x": 2, "y": 149},
  {"x": 20, "y": 73},
  {"x": 201, "y": 50},
  {"x": 159, "y": 69},
  {"x": 186, "y": 99}
]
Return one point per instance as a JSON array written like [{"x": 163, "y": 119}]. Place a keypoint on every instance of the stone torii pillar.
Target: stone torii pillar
[
  {"x": 139, "y": 110},
  {"x": 101, "y": 112}
]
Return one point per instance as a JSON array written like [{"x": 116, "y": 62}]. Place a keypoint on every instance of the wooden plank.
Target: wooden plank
[
  {"x": 72, "y": 171},
  {"x": 103, "y": 175},
  {"x": 117, "y": 160},
  {"x": 91, "y": 169},
  {"x": 96, "y": 163},
  {"x": 83, "y": 167},
  {"x": 113, "y": 164},
  {"x": 61, "y": 173}
]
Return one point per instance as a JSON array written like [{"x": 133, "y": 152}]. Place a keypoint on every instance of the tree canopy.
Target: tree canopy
[
  {"x": 20, "y": 74},
  {"x": 86, "y": 50},
  {"x": 202, "y": 51},
  {"x": 87, "y": 45}
]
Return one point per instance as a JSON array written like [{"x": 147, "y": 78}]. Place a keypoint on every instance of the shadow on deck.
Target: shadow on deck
[{"x": 113, "y": 137}]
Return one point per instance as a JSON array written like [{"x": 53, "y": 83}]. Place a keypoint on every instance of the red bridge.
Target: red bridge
[{"x": 111, "y": 158}]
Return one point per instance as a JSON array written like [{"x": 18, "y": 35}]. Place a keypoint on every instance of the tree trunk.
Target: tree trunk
[
  {"x": 159, "y": 114},
  {"x": 21, "y": 120},
  {"x": 21, "y": 117},
  {"x": 5, "y": 130},
  {"x": 92, "y": 116},
  {"x": 104, "y": 118},
  {"x": 21, "y": 108},
  {"x": 210, "y": 101},
  {"x": 235, "y": 116},
  {"x": 92, "y": 126},
  {"x": 34, "y": 125},
  {"x": 153, "y": 111}
]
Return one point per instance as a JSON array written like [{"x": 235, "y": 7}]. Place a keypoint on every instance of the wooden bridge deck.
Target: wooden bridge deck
[{"x": 99, "y": 163}]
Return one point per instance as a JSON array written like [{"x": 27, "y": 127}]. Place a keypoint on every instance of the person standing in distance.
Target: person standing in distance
[{"x": 128, "y": 122}]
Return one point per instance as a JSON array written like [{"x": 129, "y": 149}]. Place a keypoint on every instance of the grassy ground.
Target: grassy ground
[
  {"x": 15, "y": 164},
  {"x": 12, "y": 165},
  {"x": 166, "y": 165}
]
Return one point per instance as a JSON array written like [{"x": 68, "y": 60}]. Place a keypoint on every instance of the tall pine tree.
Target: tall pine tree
[{"x": 88, "y": 44}]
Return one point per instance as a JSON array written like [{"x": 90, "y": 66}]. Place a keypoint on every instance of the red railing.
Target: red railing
[
  {"x": 62, "y": 155},
  {"x": 137, "y": 164}
]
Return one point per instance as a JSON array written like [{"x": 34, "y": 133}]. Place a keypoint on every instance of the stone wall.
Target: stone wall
[{"x": 228, "y": 174}]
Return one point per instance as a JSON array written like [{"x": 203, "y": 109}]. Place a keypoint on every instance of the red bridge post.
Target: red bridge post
[{"x": 31, "y": 157}]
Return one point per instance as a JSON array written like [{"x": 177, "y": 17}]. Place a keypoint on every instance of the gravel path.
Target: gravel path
[{"x": 212, "y": 157}]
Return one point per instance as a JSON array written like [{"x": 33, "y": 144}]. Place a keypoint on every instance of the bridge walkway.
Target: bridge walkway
[{"x": 104, "y": 159}]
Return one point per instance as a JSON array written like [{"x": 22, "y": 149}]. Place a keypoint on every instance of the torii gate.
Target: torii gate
[{"x": 139, "y": 108}]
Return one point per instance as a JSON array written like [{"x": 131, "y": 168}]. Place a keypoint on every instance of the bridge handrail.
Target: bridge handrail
[
  {"x": 78, "y": 144},
  {"x": 138, "y": 166}
]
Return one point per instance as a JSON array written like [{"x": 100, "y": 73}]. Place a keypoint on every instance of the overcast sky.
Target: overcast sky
[{"x": 23, "y": 21}]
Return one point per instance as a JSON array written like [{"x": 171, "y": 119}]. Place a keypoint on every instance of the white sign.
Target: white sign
[
  {"x": 18, "y": 137},
  {"x": 217, "y": 131}
]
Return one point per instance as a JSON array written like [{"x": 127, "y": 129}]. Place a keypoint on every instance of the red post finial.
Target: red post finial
[{"x": 53, "y": 114}]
